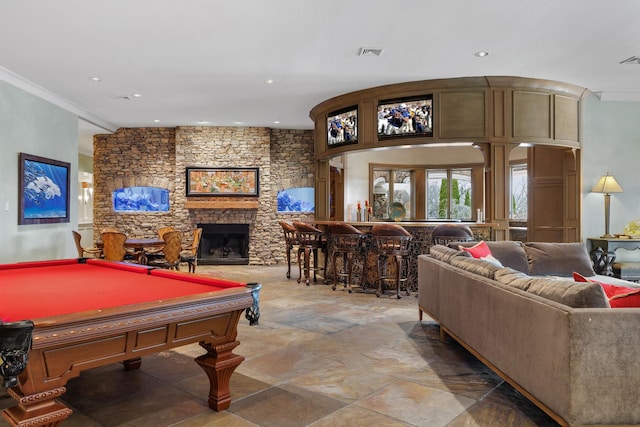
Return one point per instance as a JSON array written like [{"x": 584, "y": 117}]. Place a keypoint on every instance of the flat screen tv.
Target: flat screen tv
[
  {"x": 342, "y": 127},
  {"x": 407, "y": 117}
]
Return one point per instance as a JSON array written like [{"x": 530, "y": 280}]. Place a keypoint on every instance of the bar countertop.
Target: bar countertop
[{"x": 415, "y": 223}]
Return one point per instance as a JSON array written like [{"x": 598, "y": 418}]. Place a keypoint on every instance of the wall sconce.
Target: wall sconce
[{"x": 607, "y": 185}]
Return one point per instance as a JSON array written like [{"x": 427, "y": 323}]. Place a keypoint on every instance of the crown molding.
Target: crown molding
[
  {"x": 28, "y": 86},
  {"x": 618, "y": 96}
]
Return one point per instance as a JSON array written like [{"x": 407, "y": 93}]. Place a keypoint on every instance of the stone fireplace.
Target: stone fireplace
[
  {"x": 224, "y": 244},
  {"x": 159, "y": 157}
]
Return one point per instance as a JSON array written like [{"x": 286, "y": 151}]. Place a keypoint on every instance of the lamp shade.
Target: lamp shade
[{"x": 607, "y": 184}]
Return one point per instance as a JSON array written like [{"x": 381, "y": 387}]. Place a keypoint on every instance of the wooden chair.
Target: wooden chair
[
  {"x": 163, "y": 230},
  {"x": 290, "y": 240},
  {"x": 347, "y": 242},
  {"x": 170, "y": 251},
  {"x": 81, "y": 250},
  {"x": 113, "y": 245},
  {"x": 189, "y": 254},
  {"x": 310, "y": 240},
  {"x": 391, "y": 241},
  {"x": 156, "y": 254}
]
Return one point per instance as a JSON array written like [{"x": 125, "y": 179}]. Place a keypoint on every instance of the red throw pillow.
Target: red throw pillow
[
  {"x": 619, "y": 296},
  {"x": 480, "y": 250},
  {"x": 577, "y": 277}
]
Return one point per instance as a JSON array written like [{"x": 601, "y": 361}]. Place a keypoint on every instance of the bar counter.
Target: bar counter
[{"x": 420, "y": 244}]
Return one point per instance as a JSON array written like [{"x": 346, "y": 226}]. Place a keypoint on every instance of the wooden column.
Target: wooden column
[{"x": 323, "y": 189}]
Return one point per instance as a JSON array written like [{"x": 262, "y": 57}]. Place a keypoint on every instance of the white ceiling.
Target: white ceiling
[{"x": 208, "y": 60}]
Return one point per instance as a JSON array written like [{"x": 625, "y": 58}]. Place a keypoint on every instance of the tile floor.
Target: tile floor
[{"x": 318, "y": 358}]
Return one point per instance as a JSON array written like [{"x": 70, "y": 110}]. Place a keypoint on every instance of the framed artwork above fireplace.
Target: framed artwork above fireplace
[{"x": 213, "y": 181}]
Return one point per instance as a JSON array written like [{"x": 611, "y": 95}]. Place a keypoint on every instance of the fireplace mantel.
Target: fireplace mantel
[{"x": 221, "y": 203}]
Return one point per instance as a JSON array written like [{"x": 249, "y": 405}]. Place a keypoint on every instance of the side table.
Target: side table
[{"x": 602, "y": 252}]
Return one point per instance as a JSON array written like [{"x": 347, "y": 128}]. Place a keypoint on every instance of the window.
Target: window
[
  {"x": 519, "y": 178},
  {"x": 449, "y": 194},
  {"x": 391, "y": 185}
]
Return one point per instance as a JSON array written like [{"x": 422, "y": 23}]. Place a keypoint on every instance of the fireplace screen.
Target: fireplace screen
[{"x": 224, "y": 244}]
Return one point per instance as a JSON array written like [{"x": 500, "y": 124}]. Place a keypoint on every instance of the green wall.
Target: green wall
[
  {"x": 31, "y": 125},
  {"x": 611, "y": 143}
]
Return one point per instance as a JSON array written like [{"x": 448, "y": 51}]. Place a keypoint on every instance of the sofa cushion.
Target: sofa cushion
[
  {"x": 479, "y": 250},
  {"x": 513, "y": 277},
  {"x": 619, "y": 296},
  {"x": 568, "y": 292},
  {"x": 444, "y": 253},
  {"x": 492, "y": 260},
  {"x": 558, "y": 259},
  {"x": 508, "y": 252},
  {"x": 477, "y": 266}
]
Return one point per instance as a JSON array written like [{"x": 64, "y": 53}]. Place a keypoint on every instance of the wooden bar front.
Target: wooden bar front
[{"x": 421, "y": 243}]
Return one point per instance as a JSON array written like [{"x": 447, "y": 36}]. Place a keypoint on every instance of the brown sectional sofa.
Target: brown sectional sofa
[{"x": 557, "y": 341}]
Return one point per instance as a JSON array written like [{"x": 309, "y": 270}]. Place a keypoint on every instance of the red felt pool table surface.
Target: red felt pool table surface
[
  {"x": 90, "y": 313},
  {"x": 50, "y": 288}
]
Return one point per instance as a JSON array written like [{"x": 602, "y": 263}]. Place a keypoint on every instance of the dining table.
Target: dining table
[{"x": 139, "y": 245}]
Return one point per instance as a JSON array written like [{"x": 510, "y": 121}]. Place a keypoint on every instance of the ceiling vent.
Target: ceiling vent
[
  {"x": 370, "y": 51},
  {"x": 632, "y": 60}
]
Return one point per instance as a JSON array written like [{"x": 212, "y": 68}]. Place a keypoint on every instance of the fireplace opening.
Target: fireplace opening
[{"x": 222, "y": 244}]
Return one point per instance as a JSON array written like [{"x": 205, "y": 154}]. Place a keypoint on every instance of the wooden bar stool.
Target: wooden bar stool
[
  {"x": 310, "y": 240},
  {"x": 392, "y": 241},
  {"x": 348, "y": 242},
  {"x": 290, "y": 240},
  {"x": 444, "y": 234}
]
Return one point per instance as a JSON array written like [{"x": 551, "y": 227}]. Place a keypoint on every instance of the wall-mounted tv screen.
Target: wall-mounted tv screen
[
  {"x": 342, "y": 127},
  {"x": 406, "y": 117}
]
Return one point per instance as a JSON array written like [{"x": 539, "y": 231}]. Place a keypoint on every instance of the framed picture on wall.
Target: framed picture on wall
[
  {"x": 405, "y": 117},
  {"x": 211, "y": 181},
  {"x": 342, "y": 127},
  {"x": 43, "y": 192}
]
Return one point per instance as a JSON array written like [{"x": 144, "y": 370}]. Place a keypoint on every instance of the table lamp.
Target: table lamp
[{"x": 607, "y": 185}]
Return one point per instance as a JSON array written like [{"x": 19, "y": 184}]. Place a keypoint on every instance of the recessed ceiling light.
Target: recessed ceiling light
[
  {"x": 269, "y": 81},
  {"x": 95, "y": 79},
  {"x": 238, "y": 123},
  {"x": 136, "y": 95},
  {"x": 202, "y": 122},
  {"x": 482, "y": 54},
  {"x": 156, "y": 121},
  {"x": 277, "y": 122}
]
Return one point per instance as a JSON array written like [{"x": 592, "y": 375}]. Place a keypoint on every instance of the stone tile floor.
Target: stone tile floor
[{"x": 318, "y": 358}]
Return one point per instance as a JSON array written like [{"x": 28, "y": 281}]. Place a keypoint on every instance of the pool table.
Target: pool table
[{"x": 89, "y": 313}]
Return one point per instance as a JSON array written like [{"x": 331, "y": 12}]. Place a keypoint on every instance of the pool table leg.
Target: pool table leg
[
  {"x": 38, "y": 409},
  {"x": 219, "y": 363},
  {"x": 132, "y": 364}
]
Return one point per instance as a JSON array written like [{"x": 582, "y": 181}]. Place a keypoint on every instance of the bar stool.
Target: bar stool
[
  {"x": 444, "y": 234},
  {"x": 310, "y": 239},
  {"x": 392, "y": 240},
  {"x": 348, "y": 242},
  {"x": 290, "y": 240}
]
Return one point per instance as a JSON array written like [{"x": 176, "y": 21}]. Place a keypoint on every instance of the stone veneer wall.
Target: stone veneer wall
[
  {"x": 159, "y": 157},
  {"x": 292, "y": 165},
  {"x": 134, "y": 157}
]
